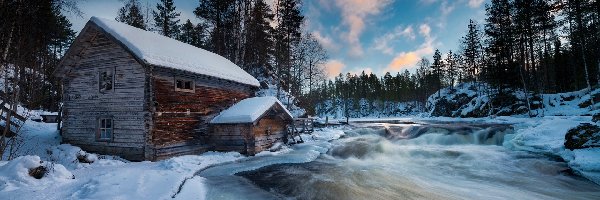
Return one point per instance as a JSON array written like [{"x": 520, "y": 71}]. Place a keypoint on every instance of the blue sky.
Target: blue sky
[{"x": 372, "y": 35}]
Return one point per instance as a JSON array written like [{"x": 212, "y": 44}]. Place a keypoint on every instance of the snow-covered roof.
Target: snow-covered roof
[
  {"x": 159, "y": 50},
  {"x": 248, "y": 110}
]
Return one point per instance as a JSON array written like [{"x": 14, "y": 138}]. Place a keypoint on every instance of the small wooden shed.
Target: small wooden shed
[
  {"x": 143, "y": 96},
  {"x": 251, "y": 126}
]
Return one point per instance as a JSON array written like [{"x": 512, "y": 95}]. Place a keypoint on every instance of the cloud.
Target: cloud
[
  {"x": 475, "y": 3},
  {"x": 410, "y": 58},
  {"x": 425, "y": 30},
  {"x": 326, "y": 41},
  {"x": 382, "y": 43},
  {"x": 334, "y": 68},
  {"x": 446, "y": 8},
  {"x": 354, "y": 15}
]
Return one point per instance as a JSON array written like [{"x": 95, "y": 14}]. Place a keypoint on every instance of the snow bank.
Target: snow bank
[
  {"x": 15, "y": 173},
  {"x": 71, "y": 156},
  {"x": 193, "y": 163},
  {"x": 585, "y": 161},
  {"x": 547, "y": 136}
]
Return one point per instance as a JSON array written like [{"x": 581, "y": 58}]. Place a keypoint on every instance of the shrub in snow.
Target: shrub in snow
[{"x": 583, "y": 136}]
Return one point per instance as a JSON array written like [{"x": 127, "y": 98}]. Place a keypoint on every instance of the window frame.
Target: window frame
[
  {"x": 100, "y": 129},
  {"x": 108, "y": 69},
  {"x": 184, "y": 81}
]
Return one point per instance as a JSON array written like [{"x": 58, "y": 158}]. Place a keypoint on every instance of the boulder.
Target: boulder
[{"x": 585, "y": 135}]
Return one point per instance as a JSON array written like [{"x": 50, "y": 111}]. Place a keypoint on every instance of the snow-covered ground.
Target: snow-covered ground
[
  {"x": 114, "y": 178},
  {"x": 110, "y": 177}
]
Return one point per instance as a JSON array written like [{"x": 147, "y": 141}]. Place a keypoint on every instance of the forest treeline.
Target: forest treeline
[
  {"x": 269, "y": 42},
  {"x": 537, "y": 46}
]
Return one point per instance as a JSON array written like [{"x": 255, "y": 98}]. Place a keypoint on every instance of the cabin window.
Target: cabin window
[
  {"x": 184, "y": 85},
  {"x": 106, "y": 80},
  {"x": 105, "y": 129}
]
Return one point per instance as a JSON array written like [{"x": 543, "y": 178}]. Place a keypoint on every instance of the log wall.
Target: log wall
[
  {"x": 84, "y": 104},
  {"x": 250, "y": 138},
  {"x": 268, "y": 130},
  {"x": 181, "y": 118}
]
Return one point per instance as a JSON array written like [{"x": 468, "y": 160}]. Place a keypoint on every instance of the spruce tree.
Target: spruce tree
[
  {"x": 131, "y": 14},
  {"x": 216, "y": 13},
  {"x": 166, "y": 19},
  {"x": 451, "y": 68},
  {"x": 437, "y": 68},
  {"x": 259, "y": 44},
  {"x": 287, "y": 34},
  {"x": 188, "y": 33},
  {"x": 471, "y": 44}
]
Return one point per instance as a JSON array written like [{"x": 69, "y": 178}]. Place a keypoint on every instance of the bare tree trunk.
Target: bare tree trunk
[{"x": 8, "y": 44}]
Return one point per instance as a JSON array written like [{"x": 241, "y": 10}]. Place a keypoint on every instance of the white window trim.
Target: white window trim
[
  {"x": 101, "y": 129},
  {"x": 185, "y": 80}
]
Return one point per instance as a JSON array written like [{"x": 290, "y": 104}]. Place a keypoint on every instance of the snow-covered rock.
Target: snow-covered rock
[{"x": 480, "y": 100}]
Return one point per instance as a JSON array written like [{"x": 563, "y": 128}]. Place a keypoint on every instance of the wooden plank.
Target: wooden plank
[{"x": 13, "y": 113}]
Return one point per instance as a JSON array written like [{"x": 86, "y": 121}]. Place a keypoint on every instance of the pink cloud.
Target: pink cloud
[
  {"x": 410, "y": 58},
  {"x": 334, "y": 68}
]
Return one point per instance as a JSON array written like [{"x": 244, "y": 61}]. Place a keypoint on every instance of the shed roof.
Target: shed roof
[
  {"x": 248, "y": 111},
  {"x": 158, "y": 50}
]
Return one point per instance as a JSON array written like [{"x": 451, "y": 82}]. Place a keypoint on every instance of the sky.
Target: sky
[{"x": 375, "y": 36}]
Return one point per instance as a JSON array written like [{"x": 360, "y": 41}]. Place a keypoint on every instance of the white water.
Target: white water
[{"x": 405, "y": 161}]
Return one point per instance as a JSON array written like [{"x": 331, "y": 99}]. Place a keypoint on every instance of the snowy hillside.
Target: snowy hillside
[{"x": 474, "y": 100}]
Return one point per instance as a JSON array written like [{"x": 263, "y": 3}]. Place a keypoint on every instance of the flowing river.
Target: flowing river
[{"x": 425, "y": 160}]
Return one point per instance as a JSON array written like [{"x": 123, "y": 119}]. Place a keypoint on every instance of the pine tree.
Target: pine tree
[
  {"x": 259, "y": 45},
  {"x": 188, "y": 33},
  {"x": 192, "y": 34},
  {"x": 502, "y": 70},
  {"x": 166, "y": 19},
  {"x": 287, "y": 34},
  {"x": 437, "y": 68},
  {"x": 131, "y": 14},
  {"x": 451, "y": 68},
  {"x": 471, "y": 44},
  {"x": 216, "y": 13}
]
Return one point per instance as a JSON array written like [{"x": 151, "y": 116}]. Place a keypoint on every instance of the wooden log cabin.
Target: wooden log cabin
[
  {"x": 251, "y": 126},
  {"x": 143, "y": 96}
]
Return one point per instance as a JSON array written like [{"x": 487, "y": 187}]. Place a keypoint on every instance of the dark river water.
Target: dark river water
[{"x": 403, "y": 161}]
